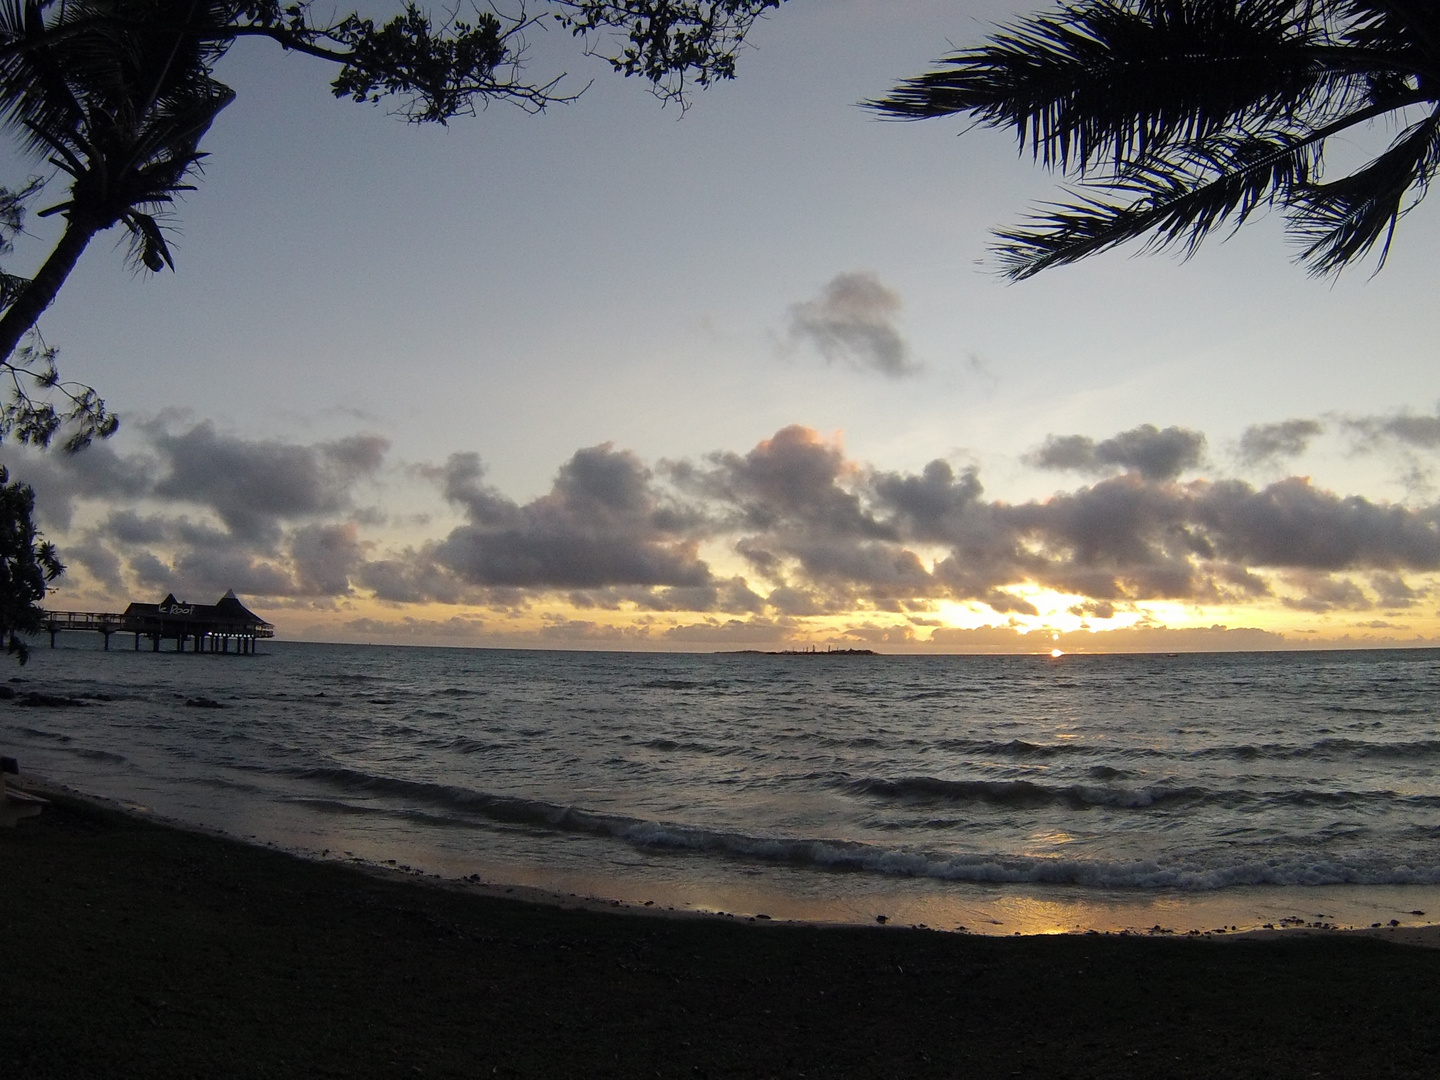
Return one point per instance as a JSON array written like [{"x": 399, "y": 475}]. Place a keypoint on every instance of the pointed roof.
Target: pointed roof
[{"x": 230, "y": 606}]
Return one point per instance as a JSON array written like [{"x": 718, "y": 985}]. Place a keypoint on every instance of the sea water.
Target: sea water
[{"x": 995, "y": 793}]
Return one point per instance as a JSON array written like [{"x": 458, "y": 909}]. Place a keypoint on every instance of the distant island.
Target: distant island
[{"x": 812, "y": 651}]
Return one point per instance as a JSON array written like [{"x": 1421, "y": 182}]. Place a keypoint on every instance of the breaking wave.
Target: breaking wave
[{"x": 457, "y": 804}]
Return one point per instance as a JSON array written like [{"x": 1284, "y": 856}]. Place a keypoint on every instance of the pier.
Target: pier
[{"x": 214, "y": 628}]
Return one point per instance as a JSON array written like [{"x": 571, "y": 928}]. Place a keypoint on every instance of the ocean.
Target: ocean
[{"x": 995, "y": 794}]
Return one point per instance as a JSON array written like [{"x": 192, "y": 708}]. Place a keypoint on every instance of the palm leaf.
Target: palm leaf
[
  {"x": 1180, "y": 117},
  {"x": 1343, "y": 220},
  {"x": 1107, "y": 81},
  {"x": 1175, "y": 204}
]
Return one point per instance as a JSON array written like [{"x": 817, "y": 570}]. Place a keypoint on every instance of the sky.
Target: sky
[{"x": 615, "y": 376}]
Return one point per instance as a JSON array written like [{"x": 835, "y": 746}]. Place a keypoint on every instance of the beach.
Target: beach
[{"x": 135, "y": 948}]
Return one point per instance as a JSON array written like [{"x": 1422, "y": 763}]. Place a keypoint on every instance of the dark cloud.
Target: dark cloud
[
  {"x": 99, "y": 561},
  {"x": 795, "y": 479},
  {"x": 412, "y": 577},
  {"x": 128, "y": 527},
  {"x": 461, "y": 482},
  {"x": 1265, "y": 444},
  {"x": 325, "y": 557},
  {"x": 853, "y": 321},
  {"x": 1147, "y": 450},
  {"x": 209, "y": 571},
  {"x": 149, "y": 571},
  {"x": 934, "y": 505},
  {"x": 60, "y": 480},
  {"x": 255, "y": 485},
  {"x": 1294, "y": 524},
  {"x": 603, "y": 523},
  {"x": 271, "y": 500},
  {"x": 1393, "y": 592},
  {"x": 1321, "y": 593}
]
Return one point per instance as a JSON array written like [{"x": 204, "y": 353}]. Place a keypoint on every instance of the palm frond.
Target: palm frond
[
  {"x": 1341, "y": 221},
  {"x": 1180, "y": 117},
  {"x": 1107, "y": 81},
  {"x": 1171, "y": 204}
]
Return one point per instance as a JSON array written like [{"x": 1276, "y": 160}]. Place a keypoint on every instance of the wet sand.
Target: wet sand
[{"x": 135, "y": 949}]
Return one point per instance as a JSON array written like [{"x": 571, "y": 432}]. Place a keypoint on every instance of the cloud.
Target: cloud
[
  {"x": 1320, "y": 593},
  {"x": 325, "y": 557},
  {"x": 1147, "y": 450},
  {"x": 834, "y": 535},
  {"x": 61, "y": 480},
  {"x": 207, "y": 571},
  {"x": 254, "y": 485},
  {"x": 1406, "y": 429},
  {"x": 1393, "y": 592},
  {"x": 603, "y": 523},
  {"x": 797, "y": 477},
  {"x": 274, "y": 531},
  {"x": 1267, "y": 444},
  {"x": 411, "y": 577},
  {"x": 733, "y": 633},
  {"x": 809, "y": 532},
  {"x": 853, "y": 321},
  {"x": 99, "y": 561}
]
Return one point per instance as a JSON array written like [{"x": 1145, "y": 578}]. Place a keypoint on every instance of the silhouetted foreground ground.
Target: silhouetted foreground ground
[{"x": 130, "y": 949}]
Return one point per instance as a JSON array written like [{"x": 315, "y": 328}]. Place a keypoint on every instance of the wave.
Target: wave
[
  {"x": 1326, "y": 748},
  {"x": 39, "y": 733},
  {"x": 1030, "y": 795},
  {"x": 1329, "y": 749},
  {"x": 688, "y": 747},
  {"x": 464, "y": 744},
  {"x": 1022, "y": 794},
  {"x": 844, "y": 855},
  {"x": 96, "y": 755},
  {"x": 1020, "y": 748}
]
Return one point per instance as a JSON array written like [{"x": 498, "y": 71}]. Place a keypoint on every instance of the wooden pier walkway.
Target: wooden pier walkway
[{"x": 212, "y": 628}]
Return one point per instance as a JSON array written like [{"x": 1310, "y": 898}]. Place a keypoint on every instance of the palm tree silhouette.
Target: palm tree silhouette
[
  {"x": 1176, "y": 118},
  {"x": 121, "y": 112}
]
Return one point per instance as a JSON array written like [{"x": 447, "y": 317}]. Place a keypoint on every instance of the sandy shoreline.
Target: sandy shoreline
[
  {"x": 1201, "y": 916},
  {"x": 135, "y": 949}
]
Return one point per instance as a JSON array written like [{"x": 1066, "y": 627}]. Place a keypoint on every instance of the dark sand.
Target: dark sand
[{"x": 132, "y": 949}]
